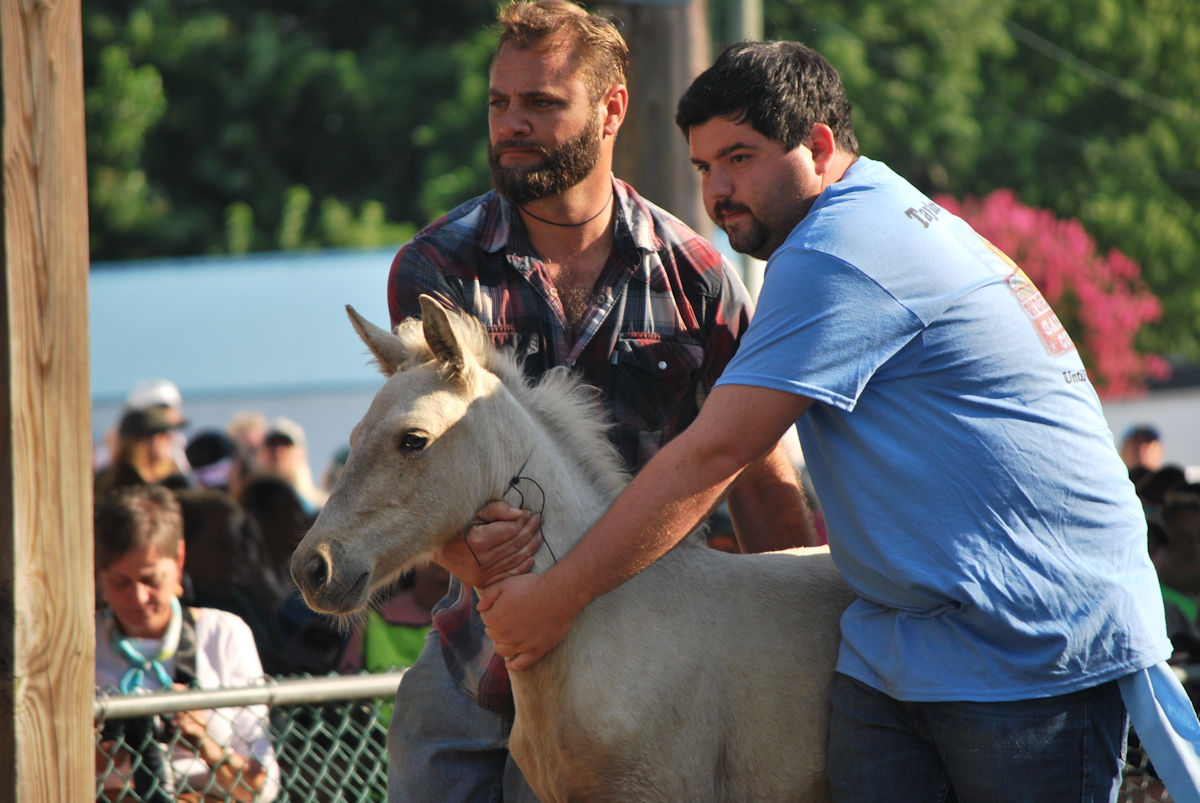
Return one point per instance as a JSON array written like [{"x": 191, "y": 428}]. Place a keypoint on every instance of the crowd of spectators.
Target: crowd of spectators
[
  {"x": 236, "y": 501},
  {"x": 1172, "y": 506},
  {"x": 247, "y": 497}
]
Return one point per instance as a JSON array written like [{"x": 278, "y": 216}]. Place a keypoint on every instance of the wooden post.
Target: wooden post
[
  {"x": 46, "y": 587},
  {"x": 668, "y": 47}
]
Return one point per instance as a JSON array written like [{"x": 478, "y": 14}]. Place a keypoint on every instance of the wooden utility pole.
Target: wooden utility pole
[
  {"x": 746, "y": 22},
  {"x": 668, "y": 47},
  {"x": 46, "y": 587}
]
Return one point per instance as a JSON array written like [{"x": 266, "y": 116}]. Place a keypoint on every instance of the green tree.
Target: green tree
[
  {"x": 1088, "y": 108},
  {"x": 122, "y": 105},
  {"x": 213, "y": 121},
  {"x": 1105, "y": 127},
  {"x": 913, "y": 71}
]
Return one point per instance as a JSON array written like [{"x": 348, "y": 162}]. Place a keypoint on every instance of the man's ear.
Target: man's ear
[
  {"x": 821, "y": 143},
  {"x": 615, "y": 103}
]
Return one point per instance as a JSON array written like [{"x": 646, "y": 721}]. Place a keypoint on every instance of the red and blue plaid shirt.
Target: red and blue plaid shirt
[{"x": 664, "y": 319}]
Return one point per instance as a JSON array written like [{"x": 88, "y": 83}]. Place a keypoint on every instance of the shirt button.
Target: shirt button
[{"x": 662, "y": 365}]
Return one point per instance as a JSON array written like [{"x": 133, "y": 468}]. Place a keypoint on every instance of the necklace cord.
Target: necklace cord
[{"x": 569, "y": 225}]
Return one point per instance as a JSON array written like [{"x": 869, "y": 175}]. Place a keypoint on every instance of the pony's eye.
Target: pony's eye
[{"x": 411, "y": 442}]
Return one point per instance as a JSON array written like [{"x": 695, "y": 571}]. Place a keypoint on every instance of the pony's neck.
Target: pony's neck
[
  {"x": 571, "y": 506},
  {"x": 570, "y": 472}
]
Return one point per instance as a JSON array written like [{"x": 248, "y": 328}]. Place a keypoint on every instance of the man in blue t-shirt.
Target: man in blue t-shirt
[{"x": 973, "y": 496}]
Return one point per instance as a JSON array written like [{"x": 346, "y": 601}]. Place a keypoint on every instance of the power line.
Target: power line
[
  {"x": 1122, "y": 87},
  {"x": 1170, "y": 172}
]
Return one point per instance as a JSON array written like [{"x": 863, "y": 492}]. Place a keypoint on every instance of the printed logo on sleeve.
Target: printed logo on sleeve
[{"x": 925, "y": 214}]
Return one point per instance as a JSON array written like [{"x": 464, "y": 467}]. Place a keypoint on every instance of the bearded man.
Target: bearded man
[{"x": 570, "y": 267}]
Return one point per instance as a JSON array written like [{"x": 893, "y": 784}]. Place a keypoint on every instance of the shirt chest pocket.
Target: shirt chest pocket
[
  {"x": 656, "y": 382},
  {"x": 527, "y": 347}
]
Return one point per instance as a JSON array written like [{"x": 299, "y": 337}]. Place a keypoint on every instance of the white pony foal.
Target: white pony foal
[{"x": 704, "y": 678}]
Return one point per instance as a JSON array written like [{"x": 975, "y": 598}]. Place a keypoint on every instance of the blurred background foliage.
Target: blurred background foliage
[
  {"x": 227, "y": 126},
  {"x": 1088, "y": 108}
]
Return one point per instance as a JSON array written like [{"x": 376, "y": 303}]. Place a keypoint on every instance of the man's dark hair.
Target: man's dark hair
[{"x": 782, "y": 89}]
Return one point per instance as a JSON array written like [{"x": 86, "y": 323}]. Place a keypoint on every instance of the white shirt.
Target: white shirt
[{"x": 226, "y": 657}]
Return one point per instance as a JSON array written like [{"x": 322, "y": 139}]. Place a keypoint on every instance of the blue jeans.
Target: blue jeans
[
  {"x": 442, "y": 746},
  {"x": 1055, "y": 749}
]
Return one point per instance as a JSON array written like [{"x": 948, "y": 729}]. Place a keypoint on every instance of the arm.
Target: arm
[
  {"x": 234, "y": 742},
  {"x": 767, "y": 503},
  {"x": 769, "y": 508},
  {"x": 242, "y": 777},
  {"x": 528, "y": 615},
  {"x": 413, "y": 274}
]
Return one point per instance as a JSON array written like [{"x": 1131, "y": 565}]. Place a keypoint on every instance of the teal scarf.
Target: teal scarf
[{"x": 139, "y": 664}]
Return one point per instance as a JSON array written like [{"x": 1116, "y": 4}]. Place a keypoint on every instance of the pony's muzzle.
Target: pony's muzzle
[
  {"x": 330, "y": 586},
  {"x": 314, "y": 575}
]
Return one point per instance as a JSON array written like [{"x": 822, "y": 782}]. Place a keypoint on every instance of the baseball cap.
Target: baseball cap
[
  {"x": 154, "y": 393},
  {"x": 144, "y": 423},
  {"x": 284, "y": 429}
]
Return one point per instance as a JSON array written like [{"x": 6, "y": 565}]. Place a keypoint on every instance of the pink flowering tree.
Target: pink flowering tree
[{"x": 1100, "y": 298}]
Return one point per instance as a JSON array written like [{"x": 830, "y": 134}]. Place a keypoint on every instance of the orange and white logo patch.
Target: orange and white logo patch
[{"x": 1050, "y": 330}]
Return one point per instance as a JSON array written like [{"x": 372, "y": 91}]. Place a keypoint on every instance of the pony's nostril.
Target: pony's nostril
[{"x": 316, "y": 571}]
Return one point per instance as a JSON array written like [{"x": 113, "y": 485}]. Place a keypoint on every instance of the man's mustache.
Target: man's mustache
[
  {"x": 721, "y": 208},
  {"x": 519, "y": 144}
]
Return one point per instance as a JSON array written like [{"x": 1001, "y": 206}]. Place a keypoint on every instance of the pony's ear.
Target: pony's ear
[
  {"x": 388, "y": 349},
  {"x": 440, "y": 335}
]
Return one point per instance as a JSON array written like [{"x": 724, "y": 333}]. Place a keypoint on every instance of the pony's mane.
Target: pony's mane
[{"x": 571, "y": 410}]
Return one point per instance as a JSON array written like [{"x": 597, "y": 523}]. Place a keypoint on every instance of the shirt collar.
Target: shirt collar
[{"x": 505, "y": 230}]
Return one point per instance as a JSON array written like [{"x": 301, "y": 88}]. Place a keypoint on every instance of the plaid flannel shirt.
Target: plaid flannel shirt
[{"x": 664, "y": 319}]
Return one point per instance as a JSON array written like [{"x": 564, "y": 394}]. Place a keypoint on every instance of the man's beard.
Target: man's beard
[
  {"x": 561, "y": 168},
  {"x": 752, "y": 236}
]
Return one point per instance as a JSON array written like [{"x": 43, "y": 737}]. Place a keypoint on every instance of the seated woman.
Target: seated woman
[{"x": 145, "y": 640}]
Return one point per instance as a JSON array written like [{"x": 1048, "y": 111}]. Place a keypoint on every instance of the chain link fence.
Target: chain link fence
[
  {"x": 329, "y": 743},
  {"x": 1139, "y": 784}
]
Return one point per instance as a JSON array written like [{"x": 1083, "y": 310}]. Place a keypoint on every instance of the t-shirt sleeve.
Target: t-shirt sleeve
[{"x": 821, "y": 329}]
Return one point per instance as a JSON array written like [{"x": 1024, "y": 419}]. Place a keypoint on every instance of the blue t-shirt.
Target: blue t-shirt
[{"x": 971, "y": 489}]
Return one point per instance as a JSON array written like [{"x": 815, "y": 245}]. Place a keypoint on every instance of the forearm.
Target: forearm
[
  {"x": 665, "y": 501},
  {"x": 769, "y": 508},
  {"x": 527, "y": 616}
]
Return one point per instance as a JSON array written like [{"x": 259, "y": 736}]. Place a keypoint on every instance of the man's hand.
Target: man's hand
[
  {"x": 499, "y": 543},
  {"x": 193, "y": 728},
  {"x": 525, "y": 618}
]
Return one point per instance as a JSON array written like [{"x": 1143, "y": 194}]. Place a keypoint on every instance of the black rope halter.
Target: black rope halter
[{"x": 514, "y": 485}]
